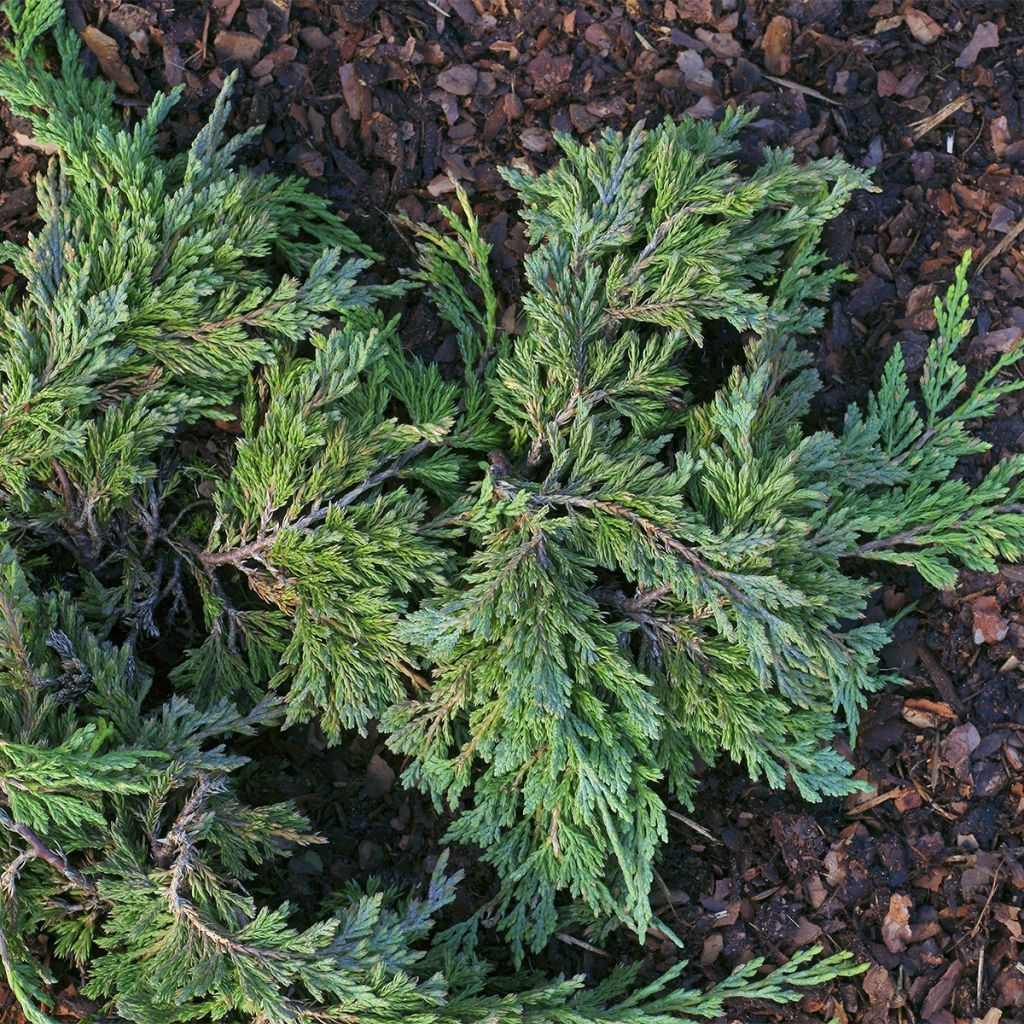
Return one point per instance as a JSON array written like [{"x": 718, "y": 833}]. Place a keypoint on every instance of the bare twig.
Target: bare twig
[
  {"x": 690, "y": 823},
  {"x": 805, "y": 89},
  {"x": 926, "y": 124},
  {"x": 573, "y": 941},
  {"x": 1007, "y": 240}
]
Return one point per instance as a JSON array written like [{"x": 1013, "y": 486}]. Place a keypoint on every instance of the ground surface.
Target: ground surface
[{"x": 380, "y": 101}]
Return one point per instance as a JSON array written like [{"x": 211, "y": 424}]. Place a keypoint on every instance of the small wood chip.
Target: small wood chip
[
  {"x": 926, "y": 714},
  {"x": 989, "y": 625},
  {"x": 696, "y": 12},
  {"x": 896, "y": 926},
  {"x": 459, "y": 80},
  {"x": 241, "y": 47},
  {"x": 924, "y": 28},
  {"x": 986, "y": 35},
  {"x": 941, "y": 993},
  {"x": 380, "y": 777}
]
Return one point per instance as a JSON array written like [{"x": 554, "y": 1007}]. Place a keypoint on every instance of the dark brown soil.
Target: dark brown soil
[{"x": 383, "y": 102}]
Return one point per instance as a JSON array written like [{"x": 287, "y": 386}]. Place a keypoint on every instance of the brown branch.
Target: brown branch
[
  {"x": 16, "y": 641},
  {"x": 650, "y": 528},
  {"x": 911, "y": 535},
  {"x": 242, "y": 319},
  {"x": 180, "y": 906},
  {"x": 657, "y": 238},
  {"x": 183, "y": 909},
  {"x": 232, "y": 556},
  {"x": 66, "y": 490},
  {"x": 168, "y": 253},
  {"x": 39, "y": 849},
  {"x": 907, "y": 537}
]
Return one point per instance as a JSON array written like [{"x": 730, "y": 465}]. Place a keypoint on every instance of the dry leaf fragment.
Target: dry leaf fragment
[
  {"x": 896, "y": 926},
  {"x": 924, "y": 28},
  {"x": 989, "y": 625},
  {"x": 778, "y": 38},
  {"x": 111, "y": 64},
  {"x": 986, "y": 35},
  {"x": 47, "y": 148}
]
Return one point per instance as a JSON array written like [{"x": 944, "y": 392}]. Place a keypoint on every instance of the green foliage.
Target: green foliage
[{"x": 230, "y": 501}]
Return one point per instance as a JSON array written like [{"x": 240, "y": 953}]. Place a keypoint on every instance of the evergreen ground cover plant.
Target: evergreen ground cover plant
[{"x": 560, "y": 581}]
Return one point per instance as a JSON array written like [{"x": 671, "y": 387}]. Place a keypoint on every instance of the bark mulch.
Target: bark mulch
[{"x": 383, "y": 104}]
